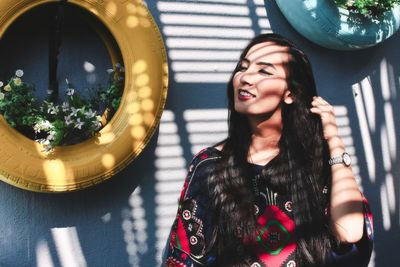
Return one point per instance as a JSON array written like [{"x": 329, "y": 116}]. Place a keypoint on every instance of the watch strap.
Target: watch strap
[{"x": 340, "y": 159}]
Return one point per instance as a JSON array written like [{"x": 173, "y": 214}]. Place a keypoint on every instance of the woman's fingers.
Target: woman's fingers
[{"x": 325, "y": 111}]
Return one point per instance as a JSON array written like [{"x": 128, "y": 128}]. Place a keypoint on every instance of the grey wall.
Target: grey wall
[{"x": 125, "y": 221}]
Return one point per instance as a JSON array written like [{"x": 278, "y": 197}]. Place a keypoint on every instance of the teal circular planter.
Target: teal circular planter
[{"x": 326, "y": 24}]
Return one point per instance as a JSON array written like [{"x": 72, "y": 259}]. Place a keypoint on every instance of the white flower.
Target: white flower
[
  {"x": 36, "y": 128},
  {"x": 74, "y": 111},
  {"x": 1, "y": 96},
  {"x": 79, "y": 123},
  {"x": 44, "y": 125},
  {"x": 98, "y": 123},
  {"x": 70, "y": 91},
  {"x": 120, "y": 67},
  {"x": 17, "y": 81},
  {"x": 68, "y": 120},
  {"x": 46, "y": 144},
  {"x": 90, "y": 114},
  {"x": 19, "y": 73},
  {"x": 7, "y": 88},
  {"x": 1, "y": 84},
  {"x": 49, "y": 106},
  {"x": 51, "y": 136},
  {"x": 109, "y": 71},
  {"x": 53, "y": 110},
  {"x": 65, "y": 106},
  {"x": 47, "y": 125}
]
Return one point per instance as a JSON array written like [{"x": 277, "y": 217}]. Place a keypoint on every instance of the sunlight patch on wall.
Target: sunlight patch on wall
[
  {"x": 377, "y": 125},
  {"x": 205, "y": 38},
  {"x": 205, "y": 127},
  {"x": 134, "y": 226},
  {"x": 43, "y": 254},
  {"x": 170, "y": 175},
  {"x": 207, "y": 8},
  {"x": 68, "y": 247},
  {"x": 388, "y": 143},
  {"x": 343, "y": 123},
  {"x": 361, "y": 103},
  {"x": 387, "y": 79},
  {"x": 261, "y": 13}
]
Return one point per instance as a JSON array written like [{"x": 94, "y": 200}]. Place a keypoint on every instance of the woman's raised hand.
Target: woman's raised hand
[{"x": 321, "y": 107}]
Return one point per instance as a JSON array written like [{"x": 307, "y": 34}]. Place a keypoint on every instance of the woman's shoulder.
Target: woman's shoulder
[
  {"x": 202, "y": 165},
  {"x": 206, "y": 154},
  {"x": 205, "y": 161}
]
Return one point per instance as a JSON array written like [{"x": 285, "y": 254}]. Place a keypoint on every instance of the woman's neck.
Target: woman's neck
[{"x": 266, "y": 133}]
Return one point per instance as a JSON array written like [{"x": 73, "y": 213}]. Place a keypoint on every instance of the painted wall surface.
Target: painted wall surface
[{"x": 125, "y": 221}]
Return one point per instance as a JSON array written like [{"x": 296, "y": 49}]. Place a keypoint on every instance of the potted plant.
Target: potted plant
[
  {"x": 63, "y": 122},
  {"x": 368, "y": 8},
  {"x": 343, "y": 24}
]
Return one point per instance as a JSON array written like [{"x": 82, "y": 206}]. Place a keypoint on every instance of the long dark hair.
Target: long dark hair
[{"x": 300, "y": 170}]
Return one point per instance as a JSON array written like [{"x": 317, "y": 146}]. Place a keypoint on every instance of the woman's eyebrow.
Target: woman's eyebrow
[
  {"x": 260, "y": 63},
  {"x": 266, "y": 64}
]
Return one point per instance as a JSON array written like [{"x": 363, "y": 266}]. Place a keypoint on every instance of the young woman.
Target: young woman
[{"x": 279, "y": 191}]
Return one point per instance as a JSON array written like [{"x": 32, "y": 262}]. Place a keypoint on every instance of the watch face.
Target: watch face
[{"x": 346, "y": 159}]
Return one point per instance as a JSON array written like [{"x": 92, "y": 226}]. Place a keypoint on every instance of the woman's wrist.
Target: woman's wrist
[{"x": 336, "y": 146}]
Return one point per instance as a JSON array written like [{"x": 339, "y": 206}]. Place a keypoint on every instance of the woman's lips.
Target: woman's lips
[{"x": 245, "y": 95}]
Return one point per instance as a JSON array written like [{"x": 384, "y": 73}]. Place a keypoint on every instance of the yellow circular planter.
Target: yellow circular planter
[{"x": 24, "y": 163}]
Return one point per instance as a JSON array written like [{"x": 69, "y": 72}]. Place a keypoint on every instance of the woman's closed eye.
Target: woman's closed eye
[
  {"x": 264, "y": 71},
  {"x": 242, "y": 68}
]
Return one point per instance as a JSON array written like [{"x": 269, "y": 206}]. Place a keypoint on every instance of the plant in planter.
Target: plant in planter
[
  {"x": 371, "y": 8},
  {"x": 343, "y": 24},
  {"x": 71, "y": 121}
]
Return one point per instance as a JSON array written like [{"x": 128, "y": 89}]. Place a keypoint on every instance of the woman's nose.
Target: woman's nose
[{"x": 247, "y": 78}]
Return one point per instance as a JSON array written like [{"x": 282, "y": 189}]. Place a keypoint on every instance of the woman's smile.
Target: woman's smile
[{"x": 244, "y": 95}]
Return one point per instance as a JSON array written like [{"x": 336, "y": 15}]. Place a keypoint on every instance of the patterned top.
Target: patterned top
[{"x": 275, "y": 244}]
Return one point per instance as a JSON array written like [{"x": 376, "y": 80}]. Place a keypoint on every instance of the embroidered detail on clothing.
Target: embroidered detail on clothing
[
  {"x": 193, "y": 240},
  {"x": 171, "y": 262},
  {"x": 189, "y": 235},
  {"x": 255, "y": 185},
  {"x": 288, "y": 206},
  {"x": 275, "y": 238},
  {"x": 186, "y": 214},
  {"x": 255, "y": 264},
  {"x": 325, "y": 190},
  {"x": 271, "y": 196},
  {"x": 256, "y": 209},
  {"x": 291, "y": 263}
]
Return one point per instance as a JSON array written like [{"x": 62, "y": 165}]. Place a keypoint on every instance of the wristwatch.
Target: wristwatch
[{"x": 344, "y": 158}]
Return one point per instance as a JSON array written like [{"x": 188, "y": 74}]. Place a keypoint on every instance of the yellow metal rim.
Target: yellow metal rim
[{"x": 24, "y": 164}]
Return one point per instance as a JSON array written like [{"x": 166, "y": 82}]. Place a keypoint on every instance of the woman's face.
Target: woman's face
[{"x": 260, "y": 84}]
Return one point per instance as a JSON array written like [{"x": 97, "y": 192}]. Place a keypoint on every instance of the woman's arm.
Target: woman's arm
[
  {"x": 191, "y": 231},
  {"x": 346, "y": 203}
]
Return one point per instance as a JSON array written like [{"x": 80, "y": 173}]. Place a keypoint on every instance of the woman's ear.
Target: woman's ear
[{"x": 288, "y": 97}]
